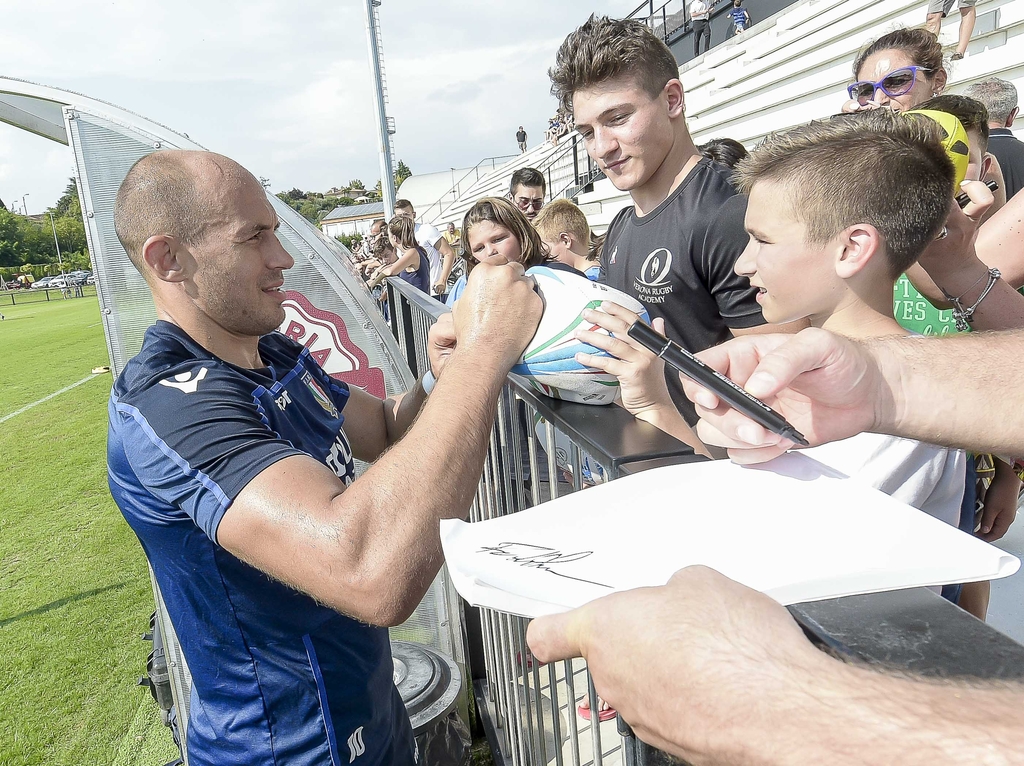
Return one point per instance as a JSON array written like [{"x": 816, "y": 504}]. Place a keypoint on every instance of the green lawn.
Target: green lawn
[{"x": 74, "y": 590}]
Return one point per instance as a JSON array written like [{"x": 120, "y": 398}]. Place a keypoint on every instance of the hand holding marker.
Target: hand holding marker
[{"x": 730, "y": 393}]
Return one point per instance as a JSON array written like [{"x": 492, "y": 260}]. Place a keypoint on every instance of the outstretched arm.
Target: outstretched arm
[
  {"x": 447, "y": 261},
  {"x": 372, "y": 549},
  {"x": 829, "y": 387},
  {"x": 721, "y": 674}
]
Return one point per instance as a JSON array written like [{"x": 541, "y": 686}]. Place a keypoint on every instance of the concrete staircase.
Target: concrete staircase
[{"x": 566, "y": 168}]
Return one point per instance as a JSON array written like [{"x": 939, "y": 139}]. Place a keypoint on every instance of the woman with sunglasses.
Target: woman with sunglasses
[{"x": 899, "y": 70}]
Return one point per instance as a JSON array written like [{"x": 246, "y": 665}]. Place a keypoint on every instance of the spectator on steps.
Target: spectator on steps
[
  {"x": 700, "y": 15},
  {"x": 521, "y": 139},
  {"x": 938, "y": 10},
  {"x": 740, "y": 18},
  {"x": 1000, "y": 98},
  {"x": 453, "y": 236}
]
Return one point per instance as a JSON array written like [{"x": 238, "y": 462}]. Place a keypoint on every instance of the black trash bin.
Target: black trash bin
[{"x": 430, "y": 684}]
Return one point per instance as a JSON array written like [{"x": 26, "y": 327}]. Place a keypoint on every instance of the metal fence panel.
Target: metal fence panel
[{"x": 539, "y": 449}]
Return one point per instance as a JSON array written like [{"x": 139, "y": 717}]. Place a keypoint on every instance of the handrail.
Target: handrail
[
  {"x": 427, "y": 215},
  {"x": 653, "y": 13},
  {"x": 610, "y": 434}
]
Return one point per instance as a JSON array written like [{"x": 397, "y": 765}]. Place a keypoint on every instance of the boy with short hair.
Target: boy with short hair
[
  {"x": 828, "y": 247},
  {"x": 564, "y": 229}
]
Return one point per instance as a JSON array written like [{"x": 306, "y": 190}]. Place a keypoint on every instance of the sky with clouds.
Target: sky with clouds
[{"x": 284, "y": 87}]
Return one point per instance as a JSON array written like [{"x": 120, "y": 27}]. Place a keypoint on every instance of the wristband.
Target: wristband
[{"x": 428, "y": 382}]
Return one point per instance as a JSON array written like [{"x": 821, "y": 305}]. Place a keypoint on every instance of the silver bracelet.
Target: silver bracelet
[
  {"x": 428, "y": 382},
  {"x": 964, "y": 316}
]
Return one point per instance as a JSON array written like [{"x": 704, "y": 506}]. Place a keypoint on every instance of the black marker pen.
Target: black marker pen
[
  {"x": 693, "y": 368},
  {"x": 963, "y": 198}
]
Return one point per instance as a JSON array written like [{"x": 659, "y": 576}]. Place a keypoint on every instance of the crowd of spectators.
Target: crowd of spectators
[
  {"x": 232, "y": 453},
  {"x": 899, "y": 72},
  {"x": 559, "y": 126}
]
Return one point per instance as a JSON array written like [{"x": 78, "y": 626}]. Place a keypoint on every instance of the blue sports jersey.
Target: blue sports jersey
[{"x": 277, "y": 678}]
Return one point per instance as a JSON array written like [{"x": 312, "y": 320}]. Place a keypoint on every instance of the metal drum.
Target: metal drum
[{"x": 430, "y": 683}]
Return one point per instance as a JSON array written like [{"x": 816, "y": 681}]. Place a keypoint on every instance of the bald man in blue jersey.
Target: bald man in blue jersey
[{"x": 231, "y": 452}]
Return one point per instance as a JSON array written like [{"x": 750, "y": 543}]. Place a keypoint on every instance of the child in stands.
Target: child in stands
[
  {"x": 564, "y": 229},
  {"x": 828, "y": 246}
]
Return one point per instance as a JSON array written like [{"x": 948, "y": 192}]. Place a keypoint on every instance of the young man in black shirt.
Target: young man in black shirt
[{"x": 675, "y": 248}]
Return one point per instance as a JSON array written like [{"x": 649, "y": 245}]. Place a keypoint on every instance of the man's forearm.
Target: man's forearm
[
  {"x": 843, "y": 714},
  {"x": 447, "y": 262},
  {"x": 406, "y": 493},
  {"x": 927, "y": 379},
  {"x": 401, "y": 412}
]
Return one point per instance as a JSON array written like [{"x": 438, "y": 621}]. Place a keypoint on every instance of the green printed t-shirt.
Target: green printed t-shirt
[{"x": 915, "y": 313}]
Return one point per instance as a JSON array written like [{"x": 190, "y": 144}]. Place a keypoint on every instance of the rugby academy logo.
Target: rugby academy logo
[
  {"x": 652, "y": 285},
  {"x": 184, "y": 381},
  {"x": 320, "y": 395},
  {"x": 355, "y": 744}
]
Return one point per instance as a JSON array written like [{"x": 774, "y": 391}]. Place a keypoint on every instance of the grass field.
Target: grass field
[{"x": 74, "y": 590}]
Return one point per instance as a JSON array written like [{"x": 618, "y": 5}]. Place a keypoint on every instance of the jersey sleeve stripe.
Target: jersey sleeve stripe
[{"x": 182, "y": 464}]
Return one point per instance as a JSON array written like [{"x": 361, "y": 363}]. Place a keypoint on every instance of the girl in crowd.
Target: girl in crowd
[
  {"x": 495, "y": 229},
  {"x": 412, "y": 264}
]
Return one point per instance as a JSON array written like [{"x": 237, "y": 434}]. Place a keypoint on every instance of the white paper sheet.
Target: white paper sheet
[{"x": 792, "y": 528}]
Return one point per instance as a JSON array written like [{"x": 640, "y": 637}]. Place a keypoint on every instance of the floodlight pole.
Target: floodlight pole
[{"x": 387, "y": 174}]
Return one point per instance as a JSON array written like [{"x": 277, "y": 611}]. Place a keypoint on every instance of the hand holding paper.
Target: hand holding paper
[{"x": 793, "y": 529}]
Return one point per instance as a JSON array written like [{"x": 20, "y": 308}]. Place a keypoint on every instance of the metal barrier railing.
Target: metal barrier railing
[{"x": 541, "y": 448}]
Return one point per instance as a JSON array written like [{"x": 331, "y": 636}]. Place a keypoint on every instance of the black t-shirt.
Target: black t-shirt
[
  {"x": 521, "y": 136},
  {"x": 1010, "y": 153},
  {"x": 678, "y": 261}
]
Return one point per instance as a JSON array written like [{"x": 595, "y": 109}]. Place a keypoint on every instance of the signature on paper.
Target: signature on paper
[{"x": 539, "y": 557}]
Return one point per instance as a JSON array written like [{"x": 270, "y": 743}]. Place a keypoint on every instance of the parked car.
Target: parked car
[
  {"x": 42, "y": 282},
  {"x": 90, "y": 280},
  {"x": 58, "y": 284}
]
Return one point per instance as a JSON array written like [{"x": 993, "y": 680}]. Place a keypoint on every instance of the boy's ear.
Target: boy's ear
[
  {"x": 986, "y": 165},
  {"x": 857, "y": 247},
  {"x": 566, "y": 239}
]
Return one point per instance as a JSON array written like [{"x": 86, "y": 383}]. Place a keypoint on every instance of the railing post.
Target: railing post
[
  {"x": 551, "y": 191},
  {"x": 576, "y": 160}
]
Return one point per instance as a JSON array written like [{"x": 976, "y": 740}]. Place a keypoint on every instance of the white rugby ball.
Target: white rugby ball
[{"x": 548, "y": 363}]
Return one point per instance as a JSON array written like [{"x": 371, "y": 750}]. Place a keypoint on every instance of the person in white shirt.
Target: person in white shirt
[
  {"x": 439, "y": 252},
  {"x": 700, "y": 15}
]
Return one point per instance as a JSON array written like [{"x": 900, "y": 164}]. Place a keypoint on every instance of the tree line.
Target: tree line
[
  {"x": 28, "y": 241},
  {"x": 313, "y": 206}
]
